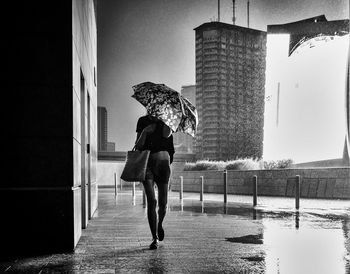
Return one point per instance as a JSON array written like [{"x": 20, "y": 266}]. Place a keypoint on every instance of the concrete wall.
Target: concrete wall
[
  {"x": 106, "y": 171},
  {"x": 113, "y": 162},
  {"x": 315, "y": 183},
  {"x": 84, "y": 94}
]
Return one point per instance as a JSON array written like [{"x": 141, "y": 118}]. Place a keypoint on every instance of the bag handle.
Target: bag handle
[{"x": 134, "y": 148}]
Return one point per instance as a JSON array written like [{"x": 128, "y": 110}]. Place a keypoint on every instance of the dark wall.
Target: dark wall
[{"x": 37, "y": 195}]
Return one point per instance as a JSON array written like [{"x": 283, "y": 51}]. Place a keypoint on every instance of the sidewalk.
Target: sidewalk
[{"x": 117, "y": 240}]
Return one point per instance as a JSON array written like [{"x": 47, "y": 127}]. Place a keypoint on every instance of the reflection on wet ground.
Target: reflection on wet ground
[
  {"x": 247, "y": 239},
  {"x": 314, "y": 239},
  {"x": 314, "y": 247}
]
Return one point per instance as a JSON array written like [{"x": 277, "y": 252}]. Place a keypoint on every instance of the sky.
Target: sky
[
  {"x": 304, "y": 115},
  {"x": 154, "y": 40}
]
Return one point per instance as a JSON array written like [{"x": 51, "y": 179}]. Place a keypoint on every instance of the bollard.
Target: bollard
[
  {"x": 254, "y": 213},
  {"x": 121, "y": 184},
  {"x": 297, "y": 192},
  {"x": 143, "y": 197},
  {"x": 297, "y": 219},
  {"x": 115, "y": 184},
  {"x": 181, "y": 187},
  {"x": 225, "y": 186},
  {"x": 201, "y": 194},
  {"x": 133, "y": 190},
  {"x": 255, "y": 190}
]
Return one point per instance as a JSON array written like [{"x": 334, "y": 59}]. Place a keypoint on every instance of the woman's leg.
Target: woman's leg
[
  {"x": 161, "y": 177},
  {"x": 162, "y": 204},
  {"x": 151, "y": 206}
]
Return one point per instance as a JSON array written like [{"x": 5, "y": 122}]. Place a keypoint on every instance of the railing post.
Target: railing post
[
  {"x": 225, "y": 186},
  {"x": 255, "y": 190},
  {"x": 133, "y": 190},
  {"x": 297, "y": 192},
  {"x": 202, "y": 189},
  {"x": 297, "y": 219},
  {"x": 133, "y": 196},
  {"x": 143, "y": 197},
  {"x": 115, "y": 184},
  {"x": 181, "y": 187}
]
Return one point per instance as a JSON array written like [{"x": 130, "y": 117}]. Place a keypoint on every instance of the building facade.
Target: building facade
[
  {"x": 102, "y": 125},
  {"x": 230, "y": 80},
  {"x": 52, "y": 191},
  {"x": 183, "y": 142}
]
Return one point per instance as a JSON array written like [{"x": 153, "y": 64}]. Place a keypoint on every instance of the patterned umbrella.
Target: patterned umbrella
[
  {"x": 189, "y": 121},
  {"x": 167, "y": 105}
]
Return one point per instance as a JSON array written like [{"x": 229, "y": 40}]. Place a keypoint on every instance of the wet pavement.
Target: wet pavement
[{"x": 207, "y": 237}]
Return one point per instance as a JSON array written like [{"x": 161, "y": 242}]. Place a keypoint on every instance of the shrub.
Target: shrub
[
  {"x": 243, "y": 164},
  {"x": 278, "y": 164},
  {"x": 204, "y": 165},
  {"x": 239, "y": 164}
]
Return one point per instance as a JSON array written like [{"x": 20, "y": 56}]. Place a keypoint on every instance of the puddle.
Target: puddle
[
  {"x": 248, "y": 239},
  {"x": 315, "y": 247},
  {"x": 308, "y": 241}
]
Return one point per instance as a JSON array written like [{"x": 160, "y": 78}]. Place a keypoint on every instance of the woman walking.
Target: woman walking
[{"x": 154, "y": 135}]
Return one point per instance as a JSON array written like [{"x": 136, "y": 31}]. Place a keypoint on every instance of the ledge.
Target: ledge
[
  {"x": 323, "y": 183},
  {"x": 120, "y": 156}
]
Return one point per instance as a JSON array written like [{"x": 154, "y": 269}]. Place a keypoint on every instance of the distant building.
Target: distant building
[
  {"x": 189, "y": 92},
  {"x": 102, "y": 130},
  {"x": 182, "y": 141},
  {"x": 230, "y": 80},
  {"x": 110, "y": 146},
  {"x": 306, "y": 72}
]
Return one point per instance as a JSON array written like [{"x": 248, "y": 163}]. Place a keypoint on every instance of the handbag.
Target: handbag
[{"x": 135, "y": 165}]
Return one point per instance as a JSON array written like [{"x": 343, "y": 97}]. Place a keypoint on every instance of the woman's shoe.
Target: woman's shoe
[
  {"x": 154, "y": 244},
  {"x": 160, "y": 232}
]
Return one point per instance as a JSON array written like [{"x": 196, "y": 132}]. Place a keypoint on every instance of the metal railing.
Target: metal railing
[
  {"x": 254, "y": 186},
  {"x": 133, "y": 189}
]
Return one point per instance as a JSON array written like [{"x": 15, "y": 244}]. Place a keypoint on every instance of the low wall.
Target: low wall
[
  {"x": 105, "y": 172},
  {"x": 113, "y": 162},
  {"x": 315, "y": 183}
]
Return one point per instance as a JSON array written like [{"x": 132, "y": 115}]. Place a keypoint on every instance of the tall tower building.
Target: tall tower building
[
  {"x": 230, "y": 80},
  {"x": 102, "y": 128}
]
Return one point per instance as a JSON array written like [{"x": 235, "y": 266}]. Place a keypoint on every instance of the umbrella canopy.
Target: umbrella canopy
[
  {"x": 168, "y": 105},
  {"x": 189, "y": 121}
]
